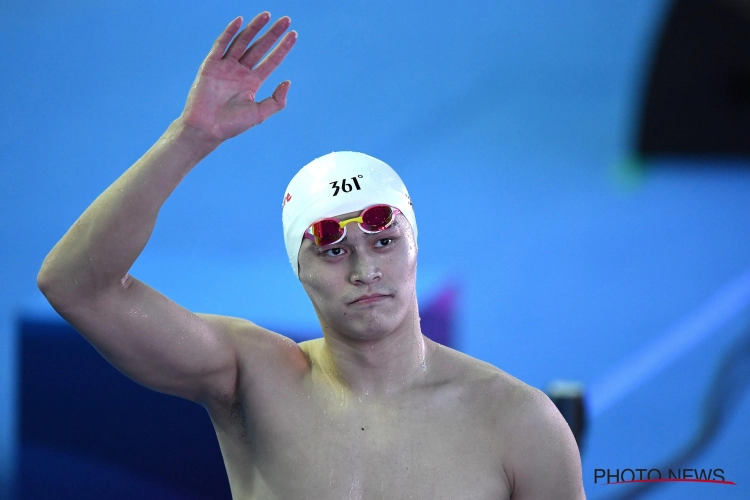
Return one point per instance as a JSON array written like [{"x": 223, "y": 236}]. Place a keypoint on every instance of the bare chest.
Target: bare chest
[{"x": 322, "y": 444}]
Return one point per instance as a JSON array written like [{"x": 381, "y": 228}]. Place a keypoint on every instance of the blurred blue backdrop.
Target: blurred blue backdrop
[{"x": 512, "y": 125}]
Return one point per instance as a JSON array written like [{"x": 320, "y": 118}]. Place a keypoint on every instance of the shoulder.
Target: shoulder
[
  {"x": 534, "y": 443},
  {"x": 516, "y": 400},
  {"x": 479, "y": 380},
  {"x": 490, "y": 394}
]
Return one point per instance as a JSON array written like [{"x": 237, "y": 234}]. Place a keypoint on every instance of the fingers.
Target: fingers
[
  {"x": 238, "y": 46},
  {"x": 217, "y": 51},
  {"x": 274, "y": 103},
  {"x": 274, "y": 59},
  {"x": 258, "y": 49}
]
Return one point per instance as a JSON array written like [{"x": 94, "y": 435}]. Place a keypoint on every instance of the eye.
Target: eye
[
  {"x": 384, "y": 242},
  {"x": 333, "y": 252}
]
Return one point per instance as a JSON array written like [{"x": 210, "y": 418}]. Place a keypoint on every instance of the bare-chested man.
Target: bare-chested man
[{"x": 373, "y": 410}]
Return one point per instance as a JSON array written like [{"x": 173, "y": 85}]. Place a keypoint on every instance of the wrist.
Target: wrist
[{"x": 193, "y": 139}]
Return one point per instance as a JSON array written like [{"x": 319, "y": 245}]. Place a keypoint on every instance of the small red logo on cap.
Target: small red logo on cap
[{"x": 286, "y": 199}]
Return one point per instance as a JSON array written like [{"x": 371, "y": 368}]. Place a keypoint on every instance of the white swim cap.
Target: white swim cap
[{"x": 335, "y": 184}]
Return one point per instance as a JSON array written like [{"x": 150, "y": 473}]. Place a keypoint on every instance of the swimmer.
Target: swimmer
[{"x": 374, "y": 409}]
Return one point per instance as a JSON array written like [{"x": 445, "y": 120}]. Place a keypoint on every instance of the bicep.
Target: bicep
[
  {"x": 157, "y": 342},
  {"x": 546, "y": 462}
]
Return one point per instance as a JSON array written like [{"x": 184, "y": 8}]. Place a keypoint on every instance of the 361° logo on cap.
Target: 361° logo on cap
[
  {"x": 345, "y": 185},
  {"x": 287, "y": 197}
]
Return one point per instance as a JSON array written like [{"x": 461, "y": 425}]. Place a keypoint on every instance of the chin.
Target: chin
[{"x": 372, "y": 326}]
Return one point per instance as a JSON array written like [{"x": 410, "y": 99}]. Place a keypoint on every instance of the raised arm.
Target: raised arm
[{"x": 85, "y": 276}]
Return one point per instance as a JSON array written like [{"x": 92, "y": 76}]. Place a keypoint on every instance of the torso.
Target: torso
[{"x": 300, "y": 436}]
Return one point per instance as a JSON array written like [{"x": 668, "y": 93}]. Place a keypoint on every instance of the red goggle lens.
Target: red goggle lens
[
  {"x": 327, "y": 231},
  {"x": 377, "y": 218}
]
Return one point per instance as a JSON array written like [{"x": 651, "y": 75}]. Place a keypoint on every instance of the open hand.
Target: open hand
[{"x": 222, "y": 101}]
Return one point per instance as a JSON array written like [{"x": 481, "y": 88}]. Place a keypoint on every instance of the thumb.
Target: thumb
[{"x": 275, "y": 102}]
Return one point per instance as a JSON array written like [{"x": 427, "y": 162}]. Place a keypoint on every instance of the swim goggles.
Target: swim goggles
[{"x": 373, "y": 219}]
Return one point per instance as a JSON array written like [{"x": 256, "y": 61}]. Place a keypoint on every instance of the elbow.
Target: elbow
[
  {"x": 50, "y": 286},
  {"x": 44, "y": 280},
  {"x": 55, "y": 286},
  {"x": 62, "y": 286}
]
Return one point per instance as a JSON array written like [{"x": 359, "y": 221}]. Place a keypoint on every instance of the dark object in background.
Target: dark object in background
[
  {"x": 568, "y": 397},
  {"x": 89, "y": 432},
  {"x": 697, "y": 95}
]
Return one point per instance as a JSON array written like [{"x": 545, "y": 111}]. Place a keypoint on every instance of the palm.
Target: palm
[{"x": 222, "y": 101}]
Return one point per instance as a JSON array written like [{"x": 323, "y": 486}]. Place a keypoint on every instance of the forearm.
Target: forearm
[{"x": 99, "y": 249}]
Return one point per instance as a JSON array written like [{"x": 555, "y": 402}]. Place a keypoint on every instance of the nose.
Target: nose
[{"x": 365, "y": 269}]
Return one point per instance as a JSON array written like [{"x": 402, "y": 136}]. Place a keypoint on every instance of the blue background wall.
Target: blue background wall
[{"x": 509, "y": 120}]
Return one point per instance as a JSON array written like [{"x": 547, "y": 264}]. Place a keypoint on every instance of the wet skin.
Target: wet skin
[
  {"x": 377, "y": 410},
  {"x": 372, "y": 410}
]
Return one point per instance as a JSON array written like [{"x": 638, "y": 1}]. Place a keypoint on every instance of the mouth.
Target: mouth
[{"x": 370, "y": 299}]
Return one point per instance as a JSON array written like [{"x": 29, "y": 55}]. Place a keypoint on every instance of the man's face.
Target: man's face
[{"x": 363, "y": 287}]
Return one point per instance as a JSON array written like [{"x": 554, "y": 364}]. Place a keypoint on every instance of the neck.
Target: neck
[{"x": 382, "y": 366}]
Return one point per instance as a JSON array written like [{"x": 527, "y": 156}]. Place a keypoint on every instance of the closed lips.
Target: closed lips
[{"x": 365, "y": 297}]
